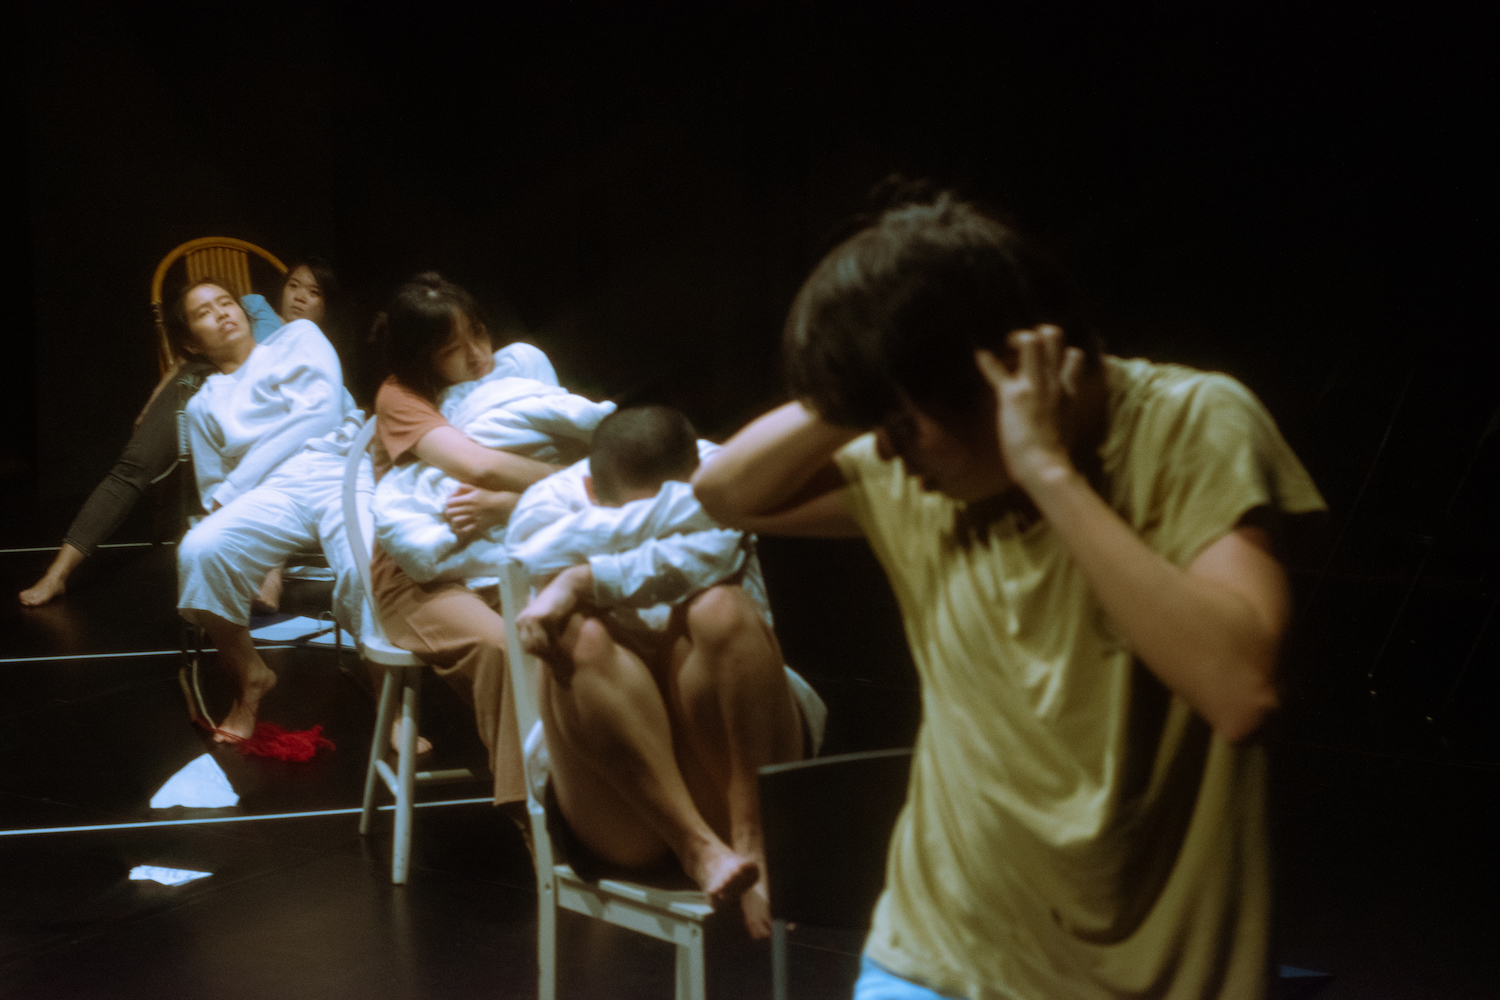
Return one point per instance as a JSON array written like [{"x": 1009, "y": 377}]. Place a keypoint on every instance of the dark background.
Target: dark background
[{"x": 1291, "y": 196}]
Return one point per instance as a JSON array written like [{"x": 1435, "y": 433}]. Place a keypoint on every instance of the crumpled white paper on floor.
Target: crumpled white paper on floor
[
  {"x": 318, "y": 632},
  {"x": 166, "y": 876},
  {"x": 202, "y": 784}
]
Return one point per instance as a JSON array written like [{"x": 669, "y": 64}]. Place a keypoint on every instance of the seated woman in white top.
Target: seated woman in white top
[
  {"x": 267, "y": 435},
  {"x": 310, "y": 290}
]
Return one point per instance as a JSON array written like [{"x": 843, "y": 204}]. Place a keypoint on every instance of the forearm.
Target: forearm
[
  {"x": 473, "y": 464},
  {"x": 274, "y": 448},
  {"x": 504, "y": 472},
  {"x": 1211, "y": 637},
  {"x": 779, "y": 461}
]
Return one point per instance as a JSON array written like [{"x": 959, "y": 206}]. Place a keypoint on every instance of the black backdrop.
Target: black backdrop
[{"x": 1291, "y": 196}]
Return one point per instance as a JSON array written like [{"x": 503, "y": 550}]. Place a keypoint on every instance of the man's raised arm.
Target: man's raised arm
[{"x": 777, "y": 477}]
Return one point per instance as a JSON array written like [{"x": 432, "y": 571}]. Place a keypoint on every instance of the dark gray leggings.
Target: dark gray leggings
[{"x": 149, "y": 455}]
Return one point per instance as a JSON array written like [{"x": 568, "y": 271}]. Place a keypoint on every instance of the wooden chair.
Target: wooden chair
[
  {"x": 670, "y": 916},
  {"x": 827, "y": 825},
  {"x": 222, "y": 257},
  {"x": 403, "y": 681}
]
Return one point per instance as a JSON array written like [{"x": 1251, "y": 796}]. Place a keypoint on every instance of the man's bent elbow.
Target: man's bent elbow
[
  {"x": 1239, "y": 718},
  {"x": 717, "y": 499}
]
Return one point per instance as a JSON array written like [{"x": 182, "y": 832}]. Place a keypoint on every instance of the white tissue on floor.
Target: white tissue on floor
[
  {"x": 202, "y": 784},
  {"x": 318, "y": 632},
  {"x": 166, "y": 876}
]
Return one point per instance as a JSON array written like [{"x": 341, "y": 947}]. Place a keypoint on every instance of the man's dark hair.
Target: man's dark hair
[
  {"x": 417, "y": 323},
  {"x": 901, "y": 306},
  {"x": 641, "y": 447},
  {"x": 175, "y": 319}
]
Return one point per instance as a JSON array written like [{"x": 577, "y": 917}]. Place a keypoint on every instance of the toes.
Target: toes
[{"x": 739, "y": 881}]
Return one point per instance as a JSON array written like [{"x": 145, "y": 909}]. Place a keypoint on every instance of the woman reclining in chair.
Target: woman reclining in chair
[
  {"x": 309, "y": 291},
  {"x": 268, "y": 435}
]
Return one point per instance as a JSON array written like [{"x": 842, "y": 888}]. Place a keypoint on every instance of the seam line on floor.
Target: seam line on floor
[
  {"x": 106, "y": 545},
  {"x": 149, "y": 652},
  {"x": 148, "y": 824}
]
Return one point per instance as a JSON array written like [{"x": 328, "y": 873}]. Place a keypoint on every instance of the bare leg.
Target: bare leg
[
  {"x": 54, "y": 582},
  {"x": 610, "y": 743},
  {"x": 268, "y": 600},
  {"x": 238, "y": 655},
  {"x": 731, "y": 702}
]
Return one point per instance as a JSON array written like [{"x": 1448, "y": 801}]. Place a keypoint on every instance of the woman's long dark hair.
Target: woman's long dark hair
[{"x": 417, "y": 323}]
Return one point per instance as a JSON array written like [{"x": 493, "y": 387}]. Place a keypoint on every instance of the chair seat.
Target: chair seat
[{"x": 380, "y": 652}]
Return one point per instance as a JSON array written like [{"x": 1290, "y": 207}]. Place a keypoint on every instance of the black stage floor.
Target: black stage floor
[{"x": 1386, "y": 871}]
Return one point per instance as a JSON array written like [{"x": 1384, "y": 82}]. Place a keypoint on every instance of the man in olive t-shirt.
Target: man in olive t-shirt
[{"x": 1081, "y": 549}]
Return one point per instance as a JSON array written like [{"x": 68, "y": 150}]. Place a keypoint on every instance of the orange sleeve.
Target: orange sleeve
[{"x": 402, "y": 418}]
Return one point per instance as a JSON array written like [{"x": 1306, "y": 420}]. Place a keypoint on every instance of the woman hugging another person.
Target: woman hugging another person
[
  {"x": 309, "y": 291},
  {"x": 435, "y": 337}
]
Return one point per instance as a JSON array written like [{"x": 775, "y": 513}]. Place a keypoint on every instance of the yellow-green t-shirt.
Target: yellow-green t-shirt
[{"x": 1072, "y": 827}]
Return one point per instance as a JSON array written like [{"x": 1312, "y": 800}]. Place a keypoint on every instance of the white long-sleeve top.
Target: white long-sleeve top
[
  {"x": 645, "y": 555},
  {"x": 288, "y": 395}
]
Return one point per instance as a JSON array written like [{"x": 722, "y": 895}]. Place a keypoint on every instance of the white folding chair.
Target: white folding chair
[
  {"x": 670, "y": 916},
  {"x": 403, "y": 678}
]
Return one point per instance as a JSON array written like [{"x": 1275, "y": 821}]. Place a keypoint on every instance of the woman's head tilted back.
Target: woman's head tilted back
[
  {"x": 433, "y": 336},
  {"x": 206, "y": 319},
  {"x": 900, "y": 307}
]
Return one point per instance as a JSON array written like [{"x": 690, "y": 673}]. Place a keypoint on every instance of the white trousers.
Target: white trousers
[{"x": 223, "y": 560}]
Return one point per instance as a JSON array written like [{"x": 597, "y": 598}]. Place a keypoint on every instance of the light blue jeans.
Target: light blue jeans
[{"x": 876, "y": 982}]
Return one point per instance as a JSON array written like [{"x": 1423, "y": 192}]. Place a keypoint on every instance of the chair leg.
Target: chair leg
[
  {"x": 778, "y": 960},
  {"x": 411, "y": 695},
  {"x": 690, "y": 979},
  {"x": 546, "y": 942},
  {"x": 188, "y": 676},
  {"x": 385, "y": 709}
]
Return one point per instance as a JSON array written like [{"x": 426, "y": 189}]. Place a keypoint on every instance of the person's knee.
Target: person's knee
[
  {"x": 723, "y": 616},
  {"x": 198, "y": 546},
  {"x": 587, "y": 643}
]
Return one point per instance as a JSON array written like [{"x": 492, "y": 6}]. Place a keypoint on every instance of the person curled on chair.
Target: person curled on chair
[{"x": 665, "y": 688}]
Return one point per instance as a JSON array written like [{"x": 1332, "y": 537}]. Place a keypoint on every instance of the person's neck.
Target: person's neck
[{"x": 230, "y": 364}]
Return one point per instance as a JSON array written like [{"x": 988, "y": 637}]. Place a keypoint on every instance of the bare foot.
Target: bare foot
[
  {"x": 42, "y": 591},
  {"x": 724, "y": 875},
  {"x": 239, "y": 724},
  {"x": 268, "y": 601},
  {"x": 424, "y": 745},
  {"x": 756, "y": 905}
]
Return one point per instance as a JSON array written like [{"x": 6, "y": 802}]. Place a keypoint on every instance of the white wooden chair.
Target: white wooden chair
[
  {"x": 403, "y": 680},
  {"x": 670, "y": 916}
]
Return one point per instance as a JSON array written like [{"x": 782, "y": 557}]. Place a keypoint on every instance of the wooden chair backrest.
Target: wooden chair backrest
[{"x": 221, "y": 257}]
